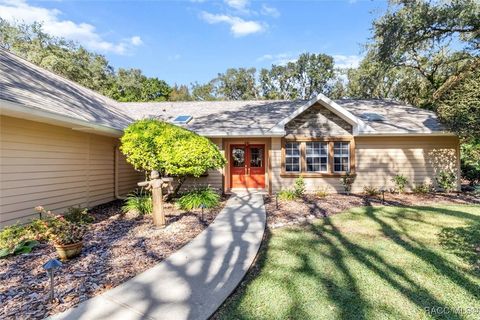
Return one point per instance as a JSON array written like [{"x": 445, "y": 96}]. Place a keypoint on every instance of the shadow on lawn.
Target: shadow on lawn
[{"x": 346, "y": 295}]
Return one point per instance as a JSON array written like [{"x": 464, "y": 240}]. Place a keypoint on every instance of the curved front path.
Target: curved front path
[{"x": 194, "y": 281}]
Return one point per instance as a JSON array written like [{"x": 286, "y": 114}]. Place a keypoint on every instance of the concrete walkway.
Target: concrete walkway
[{"x": 194, "y": 281}]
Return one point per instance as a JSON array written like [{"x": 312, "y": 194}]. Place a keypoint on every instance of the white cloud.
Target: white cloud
[
  {"x": 136, "y": 41},
  {"x": 269, "y": 11},
  {"x": 84, "y": 33},
  {"x": 279, "y": 58},
  {"x": 237, "y": 4},
  {"x": 343, "y": 61},
  {"x": 238, "y": 26}
]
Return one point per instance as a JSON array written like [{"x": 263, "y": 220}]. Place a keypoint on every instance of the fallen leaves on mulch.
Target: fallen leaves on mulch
[
  {"x": 116, "y": 248},
  {"x": 311, "y": 207}
]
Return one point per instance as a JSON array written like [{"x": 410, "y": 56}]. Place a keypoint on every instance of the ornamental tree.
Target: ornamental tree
[{"x": 171, "y": 150}]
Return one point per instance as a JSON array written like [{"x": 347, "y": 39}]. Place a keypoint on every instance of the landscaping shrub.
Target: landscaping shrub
[
  {"x": 322, "y": 192},
  {"x": 447, "y": 180},
  {"x": 19, "y": 239},
  {"x": 63, "y": 232},
  {"x": 198, "y": 196},
  {"x": 422, "y": 188},
  {"x": 78, "y": 215},
  {"x": 470, "y": 162},
  {"x": 347, "y": 181},
  {"x": 139, "y": 202},
  {"x": 287, "y": 195},
  {"x": 370, "y": 191},
  {"x": 299, "y": 187},
  {"x": 24, "y": 246},
  {"x": 400, "y": 183}
]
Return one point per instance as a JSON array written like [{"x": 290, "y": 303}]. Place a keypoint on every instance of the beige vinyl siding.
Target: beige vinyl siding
[
  {"x": 379, "y": 159},
  {"x": 420, "y": 159},
  {"x": 127, "y": 176},
  {"x": 56, "y": 167},
  {"x": 214, "y": 178}
]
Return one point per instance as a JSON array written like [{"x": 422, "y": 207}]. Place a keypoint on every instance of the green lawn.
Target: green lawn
[{"x": 368, "y": 263}]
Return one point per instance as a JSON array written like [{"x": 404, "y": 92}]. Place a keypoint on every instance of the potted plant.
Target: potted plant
[{"x": 66, "y": 236}]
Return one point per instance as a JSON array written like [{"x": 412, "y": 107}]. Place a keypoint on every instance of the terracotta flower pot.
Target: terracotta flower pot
[{"x": 69, "y": 251}]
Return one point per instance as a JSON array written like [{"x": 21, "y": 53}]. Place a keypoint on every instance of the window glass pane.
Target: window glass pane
[
  {"x": 292, "y": 157},
  {"x": 341, "y": 153},
  {"x": 238, "y": 157},
  {"x": 316, "y": 156},
  {"x": 256, "y": 157}
]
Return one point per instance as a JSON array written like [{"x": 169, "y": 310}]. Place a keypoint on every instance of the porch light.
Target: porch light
[{"x": 50, "y": 267}]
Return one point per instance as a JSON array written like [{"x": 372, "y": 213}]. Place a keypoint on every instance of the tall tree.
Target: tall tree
[
  {"x": 62, "y": 57},
  {"x": 236, "y": 84},
  {"x": 180, "y": 93},
  {"x": 133, "y": 85},
  {"x": 439, "y": 40},
  {"x": 203, "y": 92},
  {"x": 304, "y": 78}
]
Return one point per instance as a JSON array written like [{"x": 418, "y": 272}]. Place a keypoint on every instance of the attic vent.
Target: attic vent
[
  {"x": 182, "y": 119},
  {"x": 371, "y": 116}
]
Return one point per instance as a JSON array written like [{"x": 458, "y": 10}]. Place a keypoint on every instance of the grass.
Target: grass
[{"x": 367, "y": 263}]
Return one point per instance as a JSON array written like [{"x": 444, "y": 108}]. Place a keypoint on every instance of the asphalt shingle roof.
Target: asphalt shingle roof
[{"x": 29, "y": 85}]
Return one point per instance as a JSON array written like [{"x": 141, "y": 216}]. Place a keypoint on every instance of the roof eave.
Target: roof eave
[{"x": 18, "y": 110}]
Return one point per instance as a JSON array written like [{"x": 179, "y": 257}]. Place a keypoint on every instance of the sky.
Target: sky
[{"x": 193, "y": 40}]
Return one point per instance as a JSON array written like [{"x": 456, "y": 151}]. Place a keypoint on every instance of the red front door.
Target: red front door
[{"x": 247, "y": 166}]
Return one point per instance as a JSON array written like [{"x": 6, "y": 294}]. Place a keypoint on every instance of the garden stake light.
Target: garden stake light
[
  {"x": 276, "y": 200},
  {"x": 50, "y": 267},
  {"x": 203, "y": 207},
  {"x": 382, "y": 190}
]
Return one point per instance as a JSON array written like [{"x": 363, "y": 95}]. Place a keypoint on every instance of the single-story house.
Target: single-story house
[{"x": 59, "y": 142}]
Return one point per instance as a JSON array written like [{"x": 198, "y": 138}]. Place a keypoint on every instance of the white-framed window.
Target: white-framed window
[
  {"x": 341, "y": 156},
  {"x": 316, "y": 154},
  {"x": 292, "y": 157}
]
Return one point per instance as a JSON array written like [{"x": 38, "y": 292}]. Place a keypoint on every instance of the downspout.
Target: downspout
[{"x": 115, "y": 175}]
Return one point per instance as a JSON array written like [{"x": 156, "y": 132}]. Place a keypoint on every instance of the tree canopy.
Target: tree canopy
[
  {"x": 426, "y": 53},
  {"x": 174, "y": 151},
  {"x": 74, "y": 62}
]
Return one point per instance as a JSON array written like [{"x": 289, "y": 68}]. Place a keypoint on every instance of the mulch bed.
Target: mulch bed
[
  {"x": 311, "y": 207},
  {"x": 116, "y": 248}
]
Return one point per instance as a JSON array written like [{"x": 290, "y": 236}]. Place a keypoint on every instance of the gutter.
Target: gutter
[{"x": 14, "y": 109}]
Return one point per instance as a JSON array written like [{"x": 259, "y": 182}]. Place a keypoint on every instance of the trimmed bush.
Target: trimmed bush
[
  {"x": 198, "y": 196},
  {"x": 447, "y": 180},
  {"x": 422, "y": 188},
  {"x": 299, "y": 187},
  {"x": 400, "y": 183},
  {"x": 139, "y": 202},
  {"x": 370, "y": 191}
]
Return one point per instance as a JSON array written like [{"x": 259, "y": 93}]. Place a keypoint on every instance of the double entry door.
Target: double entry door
[{"x": 247, "y": 166}]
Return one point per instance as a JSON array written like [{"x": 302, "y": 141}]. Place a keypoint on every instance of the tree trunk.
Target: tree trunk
[
  {"x": 158, "y": 214},
  {"x": 172, "y": 195}
]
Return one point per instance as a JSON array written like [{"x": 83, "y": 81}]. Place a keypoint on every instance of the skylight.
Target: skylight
[
  {"x": 182, "y": 119},
  {"x": 371, "y": 116}
]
